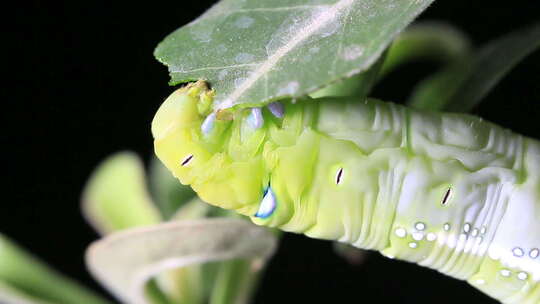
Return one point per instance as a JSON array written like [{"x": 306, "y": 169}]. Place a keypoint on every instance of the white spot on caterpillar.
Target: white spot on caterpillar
[
  {"x": 446, "y": 227},
  {"x": 522, "y": 276},
  {"x": 534, "y": 253},
  {"x": 339, "y": 176},
  {"x": 467, "y": 227},
  {"x": 413, "y": 245},
  {"x": 244, "y": 22},
  {"x": 431, "y": 237},
  {"x": 186, "y": 160},
  {"x": 420, "y": 226},
  {"x": 418, "y": 236},
  {"x": 474, "y": 232},
  {"x": 483, "y": 230},
  {"x": 505, "y": 273},
  {"x": 401, "y": 232},
  {"x": 244, "y": 58},
  {"x": 518, "y": 252},
  {"x": 352, "y": 52},
  {"x": 480, "y": 281}
]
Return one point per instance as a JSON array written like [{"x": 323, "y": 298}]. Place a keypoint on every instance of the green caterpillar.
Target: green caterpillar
[{"x": 447, "y": 191}]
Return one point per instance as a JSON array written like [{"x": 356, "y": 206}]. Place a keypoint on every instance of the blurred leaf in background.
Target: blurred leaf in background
[
  {"x": 25, "y": 279},
  {"x": 464, "y": 83},
  {"x": 189, "y": 260},
  {"x": 116, "y": 195},
  {"x": 167, "y": 191}
]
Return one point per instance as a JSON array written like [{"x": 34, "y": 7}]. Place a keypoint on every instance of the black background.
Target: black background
[{"x": 82, "y": 84}]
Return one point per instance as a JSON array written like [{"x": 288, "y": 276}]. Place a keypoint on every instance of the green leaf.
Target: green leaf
[
  {"x": 185, "y": 285},
  {"x": 235, "y": 281},
  {"x": 219, "y": 282},
  {"x": 124, "y": 268},
  {"x": 435, "y": 92},
  {"x": 358, "y": 86},
  {"x": 155, "y": 293},
  {"x": 181, "y": 285},
  {"x": 253, "y": 52},
  {"x": 168, "y": 193},
  {"x": 193, "y": 209},
  {"x": 427, "y": 40},
  {"x": 462, "y": 85},
  {"x": 11, "y": 295},
  {"x": 116, "y": 195},
  {"x": 25, "y": 278}
]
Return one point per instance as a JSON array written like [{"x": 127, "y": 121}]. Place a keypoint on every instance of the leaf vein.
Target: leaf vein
[
  {"x": 316, "y": 24},
  {"x": 275, "y": 9},
  {"x": 216, "y": 67}
]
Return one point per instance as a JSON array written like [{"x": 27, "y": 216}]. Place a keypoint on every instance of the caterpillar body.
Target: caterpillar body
[{"x": 447, "y": 191}]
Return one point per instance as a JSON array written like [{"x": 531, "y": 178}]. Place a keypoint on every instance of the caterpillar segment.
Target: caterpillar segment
[{"x": 446, "y": 191}]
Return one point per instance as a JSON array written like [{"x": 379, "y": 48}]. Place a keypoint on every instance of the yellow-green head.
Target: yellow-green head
[{"x": 233, "y": 159}]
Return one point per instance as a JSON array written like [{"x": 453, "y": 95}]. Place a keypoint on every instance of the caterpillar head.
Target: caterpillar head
[{"x": 233, "y": 159}]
